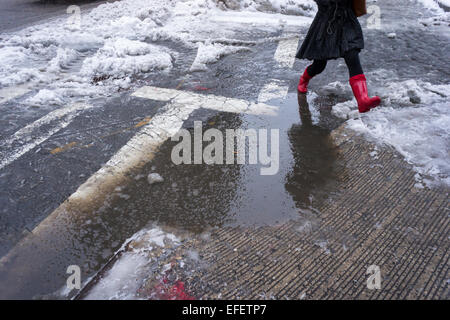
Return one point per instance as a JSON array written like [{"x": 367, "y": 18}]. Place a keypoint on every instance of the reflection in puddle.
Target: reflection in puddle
[{"x": 314, "y": 159}]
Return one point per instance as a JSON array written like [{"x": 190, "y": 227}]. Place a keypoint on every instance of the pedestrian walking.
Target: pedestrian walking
[{"x": 336, "y": 33}]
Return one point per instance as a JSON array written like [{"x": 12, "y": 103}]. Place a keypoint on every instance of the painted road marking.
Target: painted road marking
[
  {"x": 9, "y": 93},
  {"x": 206, "y": 101},
  {"x": 273, "y": 90},
  {"x": 63, "y": 116},
  {"x": 285, "y": 53},
  {"x": 138, "y": 151}
]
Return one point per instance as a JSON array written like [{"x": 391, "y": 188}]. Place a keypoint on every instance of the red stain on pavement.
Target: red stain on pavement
[{"x": 165, "y": 291}]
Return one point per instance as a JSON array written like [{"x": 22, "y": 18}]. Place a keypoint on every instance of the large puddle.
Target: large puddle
[{"x": 194, "y": 198}]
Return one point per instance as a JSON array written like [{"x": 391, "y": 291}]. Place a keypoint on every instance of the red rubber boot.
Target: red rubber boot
[
  {"x": 359, "y": 87},
  {"x": 303, "y": 83}
]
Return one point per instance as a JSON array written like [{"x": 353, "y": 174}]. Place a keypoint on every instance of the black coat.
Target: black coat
[{"x": 334, "y": 31}]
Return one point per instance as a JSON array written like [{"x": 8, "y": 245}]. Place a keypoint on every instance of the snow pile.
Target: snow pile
[
  {"x": 116, "y": 41},
  {"x": 123, "y": 58},
  {"x": 437, "y": 7},
  {"x": 109, "y": 45},
  {"x": 338, "y": 89},
  {"x": 154, "y": 177},
  {"x": 45, "y": 96},
  {"x": 441, "y": 19},
  {"x": 288, "y": 7},
  {"x": 345, "y": 110},
  {"x": 64, "y": 57},
  {"x": 414, "y": 119},
  {"x": 411, "y": 92},
  {"x": 128, "y": 274},
  {"x": 210, "y": 53}
]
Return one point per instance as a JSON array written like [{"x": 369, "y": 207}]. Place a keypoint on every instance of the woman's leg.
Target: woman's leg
[
  {"x": 358, "y": 82},
  {"x": 317, "y": 67},
  {"x": 353, "y": 64}
]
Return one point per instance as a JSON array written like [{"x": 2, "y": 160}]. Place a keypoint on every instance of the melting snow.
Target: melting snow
[
  {"x": 414, "y": 119},
  {"x": 121, "y": 58},
  {"x": 441, "y": 17},
  {"x": 129, "y": 272},
  {"x": 210, "y": 53}
]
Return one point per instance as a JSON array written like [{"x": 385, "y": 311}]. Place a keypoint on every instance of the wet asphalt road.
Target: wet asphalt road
[{"x": 192, "y": 197}]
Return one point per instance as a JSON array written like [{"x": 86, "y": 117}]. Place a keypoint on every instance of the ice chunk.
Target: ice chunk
[
  {"x": 209, "y": 53},
  {"x": 154, "y": 178}
]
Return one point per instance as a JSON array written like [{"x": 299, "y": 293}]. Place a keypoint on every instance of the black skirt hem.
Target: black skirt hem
[
  {"x": 334, "y": 31},
  {"x": 315, "y": 57}
]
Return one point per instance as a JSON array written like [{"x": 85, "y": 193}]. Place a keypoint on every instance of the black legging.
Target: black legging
[{"x": 351, "y": 59}]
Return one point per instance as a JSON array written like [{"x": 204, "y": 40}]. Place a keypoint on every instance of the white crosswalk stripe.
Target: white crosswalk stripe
[
  {"x": 285, "y": 53},
  {"x": 213, "y": 102},
  {"x": 27, "y": 141}
]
